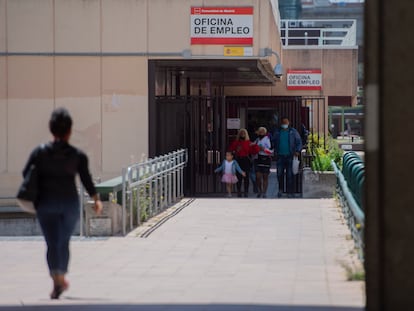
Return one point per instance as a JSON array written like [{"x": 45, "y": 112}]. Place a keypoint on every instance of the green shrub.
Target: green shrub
[
  {"x": 321, "y": 160},
  {"x": 324, "y": 152},
  {"x": 144, "y": 202},
  {"x": 334, "y": 151}
]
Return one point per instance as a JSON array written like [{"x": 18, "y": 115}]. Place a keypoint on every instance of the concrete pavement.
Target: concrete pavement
[{"x": 216, "y": 254}]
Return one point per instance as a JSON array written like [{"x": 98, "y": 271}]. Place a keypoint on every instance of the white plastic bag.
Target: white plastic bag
[{"x": 295, "y": 165}]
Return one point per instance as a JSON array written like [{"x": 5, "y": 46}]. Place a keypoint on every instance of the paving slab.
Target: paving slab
[{"x": 216, "y": 254}]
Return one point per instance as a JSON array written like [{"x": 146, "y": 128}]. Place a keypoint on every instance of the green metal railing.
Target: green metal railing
[
  {"x": 350, "y": 185},
  {"x": 353, "y": 169}
]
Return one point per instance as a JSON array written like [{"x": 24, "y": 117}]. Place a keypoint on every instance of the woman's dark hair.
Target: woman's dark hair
[{"x": 60, "y": 122}]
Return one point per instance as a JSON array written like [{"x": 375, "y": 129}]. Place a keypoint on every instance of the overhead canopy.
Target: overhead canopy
[{"x": 222, "y": 71}]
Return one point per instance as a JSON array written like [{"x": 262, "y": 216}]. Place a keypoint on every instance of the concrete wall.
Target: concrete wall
[{"x": 107, "y": 95}]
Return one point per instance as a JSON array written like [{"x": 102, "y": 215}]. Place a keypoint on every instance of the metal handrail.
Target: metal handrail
[
  {"x": 164, "y": 177},
  {"x": 355, "y": 208},
  {"x": 353, "y": 213}
]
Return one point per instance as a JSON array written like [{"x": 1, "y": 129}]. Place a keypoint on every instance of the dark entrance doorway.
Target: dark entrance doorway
[
  {"x": 267, "y": 111},
  {"x": 187, "y": 110},
  {"x": 256, "y": 111},
  {"x": 199, "y": 124},
  {"x": 195, "y": 123}
]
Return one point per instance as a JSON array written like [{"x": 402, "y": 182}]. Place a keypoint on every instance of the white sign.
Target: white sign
[
  {"x": 219, "y": 25},
  {"x": 304, "y": 79},
  {"x": 233, "y": 123}
]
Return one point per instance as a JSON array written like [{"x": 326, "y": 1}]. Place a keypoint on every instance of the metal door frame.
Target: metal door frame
[{"x": 204, "y": 154}]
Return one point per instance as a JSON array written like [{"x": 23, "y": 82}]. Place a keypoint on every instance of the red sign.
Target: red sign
[
  {"x": 220, "y": 25},
  {"x": 304, "y": 79}
]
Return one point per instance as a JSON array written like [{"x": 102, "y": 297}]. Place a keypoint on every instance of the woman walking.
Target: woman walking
[
  {"x": 243, "y": 148},
  {"x": 57, "y": 206},
  {"x": 263, "y": 162}
]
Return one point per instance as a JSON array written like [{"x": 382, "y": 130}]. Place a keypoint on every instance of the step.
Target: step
[
  {"x": 9, "y": 209},
  {"x": 7, "y": 201}
]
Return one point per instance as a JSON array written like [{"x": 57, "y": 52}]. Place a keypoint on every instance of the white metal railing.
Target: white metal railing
[
  {"x": 146, "y": 189},
  {"x": 152, "y": 186},
  {"x": 321, "y": 33}
]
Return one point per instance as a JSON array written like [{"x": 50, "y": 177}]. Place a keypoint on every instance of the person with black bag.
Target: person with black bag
[{"x": 50, "y": 184}]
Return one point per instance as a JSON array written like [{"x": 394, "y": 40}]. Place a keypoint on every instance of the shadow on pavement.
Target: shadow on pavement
[{"x": 177, "y": 307}]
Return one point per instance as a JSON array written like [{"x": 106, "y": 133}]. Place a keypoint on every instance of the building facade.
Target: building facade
[{"x": 130, "y": 71}]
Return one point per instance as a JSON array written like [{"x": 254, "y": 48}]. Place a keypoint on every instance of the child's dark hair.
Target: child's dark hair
[{"x": 230, "y": 152}]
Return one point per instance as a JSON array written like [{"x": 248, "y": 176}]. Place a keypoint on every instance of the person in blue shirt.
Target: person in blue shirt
[{"x": 287, "y": 143}]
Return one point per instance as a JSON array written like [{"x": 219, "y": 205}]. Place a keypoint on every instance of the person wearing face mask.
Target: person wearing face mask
[
  {"x": 263, "y": 161},
  {"x": 287, "y": 143},
  {"x": 243, "y": 148}
]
